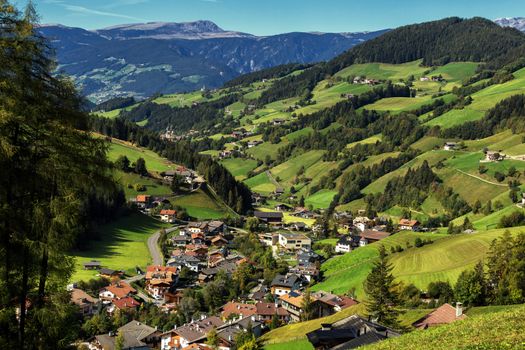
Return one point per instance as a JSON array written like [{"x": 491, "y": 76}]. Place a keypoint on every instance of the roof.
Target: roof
[
  {"x": 295, "y": 236},
  {"x": 168, "y": 212},
  {"x": 105, "y": 271},
  {"x": 92, "y": 263},
  {"x": 374, "y": 235},
  {"x": 197, "y": 347},
  {"x": 197, "y": 330},
  {"x": 270, "y": 309},
  {"x": 444, "y": 314},
  {"x": 120, "y": 289},
  {"x": 79, "y": 297},
  {"x": 143, "y": 198},
  {"x": 125, "y": 303},
  {"x": 238, "y": 308},
  {"x": 268, "y": 215},
  {"x": 137, "y": 329},
  {"x": 285, "y": 281},
  {"x": 133, "y": 333},
  {"x": 334, "y": 300},
  {"x": 407, "y": 222},
  {"x": 293, "y": 299},
  {"x": 158, "y": 273}
]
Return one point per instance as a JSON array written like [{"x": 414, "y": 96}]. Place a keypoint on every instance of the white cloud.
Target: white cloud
[{"x": 87, "y": 11}]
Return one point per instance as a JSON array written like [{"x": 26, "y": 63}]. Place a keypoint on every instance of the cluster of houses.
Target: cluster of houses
[
  {"x": 434, "y": 78},
  {"x": 363, "y": 231},
  {"x": 365, "y": 81}
]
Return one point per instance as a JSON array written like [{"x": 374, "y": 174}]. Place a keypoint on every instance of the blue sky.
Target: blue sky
[{"x": 264, "y": 17}]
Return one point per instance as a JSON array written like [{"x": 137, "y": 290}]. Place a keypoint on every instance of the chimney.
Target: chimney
[{"x": 459, "y": 309}]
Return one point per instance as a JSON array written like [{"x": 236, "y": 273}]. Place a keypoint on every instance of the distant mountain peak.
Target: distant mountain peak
[
  {"x": 201, "y": 29},
  {"x": 514, "y": 22}
]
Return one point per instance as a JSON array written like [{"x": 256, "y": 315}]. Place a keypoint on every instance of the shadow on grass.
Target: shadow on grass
[{"x": 132, "y": 228}]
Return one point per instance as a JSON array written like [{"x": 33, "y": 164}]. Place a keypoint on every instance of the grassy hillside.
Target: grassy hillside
[
  {"x": 122, "y": 246},
  {"x": 500, "y": 330},
  {"x": 442, "y": 260}
]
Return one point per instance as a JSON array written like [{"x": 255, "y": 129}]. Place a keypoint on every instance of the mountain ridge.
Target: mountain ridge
[{"x": 107, "y": 63}]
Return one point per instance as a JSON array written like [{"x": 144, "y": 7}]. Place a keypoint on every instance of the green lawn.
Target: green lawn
[
  {"x": 201, "y": 206},
  {"x": 482, "y": 101},
  {"x": 260, "y": 183},
  {"x": 122, "y": 246},
  {"x": 443, "y": 260},
  {"x": 300, "y": 344},
  {"x": 153, "y": 187},
  {"x": 320, "y": 199},
  {"x": 239, "y": 167},
  {"x": 384, "y": 71},
  {"x": 154, "y": 162},
  {"x": 288, "y": 170}
]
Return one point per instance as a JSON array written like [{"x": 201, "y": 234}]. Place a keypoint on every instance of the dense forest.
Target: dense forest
[
  {"x": 202, "y": 116},
  {"x": 54, "y": 176},
  {"x": 268, "y": 73}
]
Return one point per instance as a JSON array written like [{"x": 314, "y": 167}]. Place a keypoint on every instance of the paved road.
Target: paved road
[{"x": 153, "y": 246}]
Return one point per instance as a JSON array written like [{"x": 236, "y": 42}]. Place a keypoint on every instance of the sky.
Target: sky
[{"x": 266, "y": 17}]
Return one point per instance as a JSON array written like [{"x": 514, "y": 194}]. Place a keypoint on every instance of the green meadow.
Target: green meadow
[{"x": 122, "y": 246}]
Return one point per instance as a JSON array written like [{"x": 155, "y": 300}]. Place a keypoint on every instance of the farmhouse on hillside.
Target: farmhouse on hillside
[{"x": 409, "y": 225}]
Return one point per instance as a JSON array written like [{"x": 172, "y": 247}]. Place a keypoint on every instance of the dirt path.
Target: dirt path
[
  {"x": 481, "y": 179},
  {"x": 272, "y": 179}
]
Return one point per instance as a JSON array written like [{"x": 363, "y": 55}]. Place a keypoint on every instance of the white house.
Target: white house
[
  {"x": 168, "y": 215},
  {"x": 344, "y": 245}
]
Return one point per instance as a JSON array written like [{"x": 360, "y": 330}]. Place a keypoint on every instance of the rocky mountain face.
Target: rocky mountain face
[
  {"x": 514, "y": 22},
  {"x": 143, "y": 59}
]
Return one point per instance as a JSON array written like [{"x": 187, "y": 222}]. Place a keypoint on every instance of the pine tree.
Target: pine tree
[
  {"x": 50, "y": 164},
  {"x": 140, "y": 167},
  {"x": 381, "y": 291},
  {"x": 307, "y": 307}
]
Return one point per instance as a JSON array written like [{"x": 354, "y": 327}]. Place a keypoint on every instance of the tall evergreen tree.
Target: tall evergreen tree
[
  {"x": 50, "y": 165},
  {"x": 381, "y": 290}
]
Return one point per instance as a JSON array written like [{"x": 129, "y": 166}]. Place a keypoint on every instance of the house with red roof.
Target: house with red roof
[
  {"x": 444, "y": 314},
  {"x": 168, "y": 215}
]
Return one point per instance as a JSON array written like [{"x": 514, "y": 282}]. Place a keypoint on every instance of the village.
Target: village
[{"x": 197, "y": 253}]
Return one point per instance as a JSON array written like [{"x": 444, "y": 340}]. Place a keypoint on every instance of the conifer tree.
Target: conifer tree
[{"x": 381, "y": 291}]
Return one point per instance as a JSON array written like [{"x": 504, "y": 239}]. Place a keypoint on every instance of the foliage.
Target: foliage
[
  {"x": 51, "y": 168},
  {"x": 382, "y": 296}
]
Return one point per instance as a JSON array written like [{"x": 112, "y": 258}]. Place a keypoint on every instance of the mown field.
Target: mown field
[
  {"x": 122, "y": 246},
  {"x": 239, "y": 167},
  {"x": 442, "y": 260},
  {"x": 201, "y": 206}
]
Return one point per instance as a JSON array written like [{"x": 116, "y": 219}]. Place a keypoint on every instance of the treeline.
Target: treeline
[
  {"x": 234, "y": 193},
  {"x": 115, "y": 103},
  {"x": 436, "y": 43},
  {"x": 345, "y": 113},
  {"x": 507, "y": 114},
  {"x": 54, "y": 177},
  {"x": 202, "y": 116},
  {"x": 269, "y": 73},
  {"x": 354, "y": 181},
  {"x": 408, "y": 191}
]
